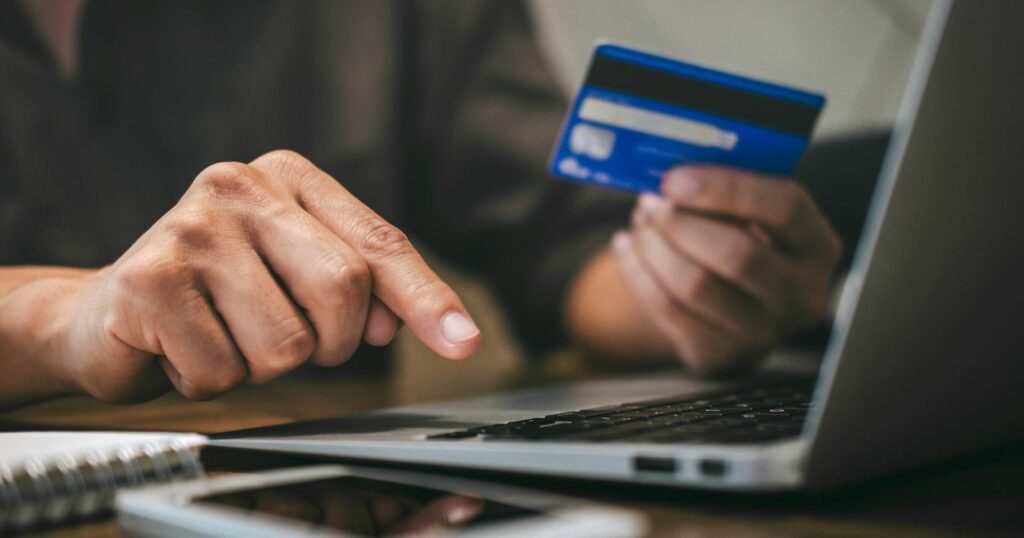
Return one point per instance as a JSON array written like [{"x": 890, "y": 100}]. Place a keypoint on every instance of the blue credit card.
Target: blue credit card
[{"x": 638, "y": 114}]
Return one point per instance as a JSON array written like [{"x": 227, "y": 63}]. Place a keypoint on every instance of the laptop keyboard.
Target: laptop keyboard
[{"x": 751, "y": 415}]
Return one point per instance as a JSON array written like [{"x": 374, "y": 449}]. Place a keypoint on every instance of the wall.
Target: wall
[{"x": 857, "y": 52}]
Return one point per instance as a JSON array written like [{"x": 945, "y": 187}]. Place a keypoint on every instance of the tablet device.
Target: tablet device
[{"x": 336, "y": 500}]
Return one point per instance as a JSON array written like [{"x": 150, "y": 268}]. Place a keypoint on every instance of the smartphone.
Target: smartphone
[{"x": 339, "y": 500}]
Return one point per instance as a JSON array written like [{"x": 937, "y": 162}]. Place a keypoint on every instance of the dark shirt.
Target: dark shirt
[{"x": 438, "y": 115}]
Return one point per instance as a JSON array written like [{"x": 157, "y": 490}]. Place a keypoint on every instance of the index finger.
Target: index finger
[
  {"x": 781, "y": 205},
  {"x": 401, "y": 278}
]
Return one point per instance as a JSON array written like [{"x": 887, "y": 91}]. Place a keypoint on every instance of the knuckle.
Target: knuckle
[
  {"x": 290, "y": 167},
  {"x": 743, "y": 256},
  {"x": 381, "y": 239},
  {"x": 224, "y": 380},
  {"x": 192, "y": 230},
  {"x": 230, "y": 180},
  {"x": 211, "y": 386},
  {"x": 344, "y": 280},
  {"x": 197, "y": 392},
  {"x": 340, "y": 353},
  {"x": 152, "y": 274},
  {"x": 283, "y": 159},
  {"x": 291, "y": 349},
  {"x": 434, "y": 290}
]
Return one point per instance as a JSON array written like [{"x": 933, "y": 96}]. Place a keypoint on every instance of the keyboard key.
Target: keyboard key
[
  {"x": 752, "y": 415},
  {"x": 453, "y": 435}
]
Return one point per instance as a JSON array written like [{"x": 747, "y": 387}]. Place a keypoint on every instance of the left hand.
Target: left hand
[{"x": 727, "y": 263}]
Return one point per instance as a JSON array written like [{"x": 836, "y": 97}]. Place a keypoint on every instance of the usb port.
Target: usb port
[
  {"x": 715, "y": 468},
  {"x": 654, "y": 464}
]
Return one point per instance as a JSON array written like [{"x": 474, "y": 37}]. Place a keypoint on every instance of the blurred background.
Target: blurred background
[{"x": 856, "y": 52}]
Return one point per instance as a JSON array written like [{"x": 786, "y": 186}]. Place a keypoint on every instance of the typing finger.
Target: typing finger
[{"x": 401, "y": 278}]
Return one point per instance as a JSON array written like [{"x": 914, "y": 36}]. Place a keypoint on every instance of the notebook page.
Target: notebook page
[{"x": 17, "y": 448}]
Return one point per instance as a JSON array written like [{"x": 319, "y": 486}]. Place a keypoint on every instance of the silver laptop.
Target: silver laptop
[{"x": 925, "y": 360}]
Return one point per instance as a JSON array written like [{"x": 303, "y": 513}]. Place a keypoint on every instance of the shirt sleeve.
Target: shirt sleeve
[{"x": 477, "y": 187}]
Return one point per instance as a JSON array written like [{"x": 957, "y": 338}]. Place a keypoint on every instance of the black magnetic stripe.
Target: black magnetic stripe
[{"x": 743, "y": 105}]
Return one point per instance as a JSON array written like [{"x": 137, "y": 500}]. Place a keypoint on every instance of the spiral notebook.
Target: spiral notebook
[{"x": 47, "y": 477}]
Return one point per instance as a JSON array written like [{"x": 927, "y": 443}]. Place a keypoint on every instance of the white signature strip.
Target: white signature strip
[{"x": 656, "y": 124}]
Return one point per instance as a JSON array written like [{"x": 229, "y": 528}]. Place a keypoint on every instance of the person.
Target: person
[{"x": 196, "y": 195}]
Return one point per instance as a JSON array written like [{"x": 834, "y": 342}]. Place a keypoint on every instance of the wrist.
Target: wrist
[
  {"x": 36, "y": 334},
  {"x": 603, "y": 315}
]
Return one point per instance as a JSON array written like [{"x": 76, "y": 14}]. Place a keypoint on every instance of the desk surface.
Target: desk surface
[{"x": 977, "y": 494}]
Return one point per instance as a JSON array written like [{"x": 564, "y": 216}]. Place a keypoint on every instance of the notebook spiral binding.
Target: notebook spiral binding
[{"x": 39, "y": 493}]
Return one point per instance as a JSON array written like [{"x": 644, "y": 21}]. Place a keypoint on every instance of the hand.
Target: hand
[
  {"x": 258, "y": 269},
  {"x": 727, "y": 263}
]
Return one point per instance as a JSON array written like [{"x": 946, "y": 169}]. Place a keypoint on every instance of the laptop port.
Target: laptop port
[
  {"x": 713, "y": 468},
  {"x": 654, "y": 464}
]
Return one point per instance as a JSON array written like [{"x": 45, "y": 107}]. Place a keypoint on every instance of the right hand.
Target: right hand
[{"x": 259, "y": 268}]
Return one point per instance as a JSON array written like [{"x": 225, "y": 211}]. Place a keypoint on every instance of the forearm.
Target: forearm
[
  {"x": 605, "y": 316},
  {"x": 15, "y": 277},
  {"x": 32, "y": 314}
]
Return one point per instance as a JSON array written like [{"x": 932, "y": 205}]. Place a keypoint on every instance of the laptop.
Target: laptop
[{"x": 925, "y": 360}]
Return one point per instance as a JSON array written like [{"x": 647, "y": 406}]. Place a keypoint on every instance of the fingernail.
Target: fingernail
[
  {"x": 681, "y": 184},
  {"x": 648, "y": 202},
  {"x": 458, "y": 328}
]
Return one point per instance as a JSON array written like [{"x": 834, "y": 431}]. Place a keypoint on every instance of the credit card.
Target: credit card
[{"x": 639, "y": 114}]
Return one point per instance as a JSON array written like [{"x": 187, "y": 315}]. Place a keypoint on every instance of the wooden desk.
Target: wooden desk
[{"x": 978, "y": 494}]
